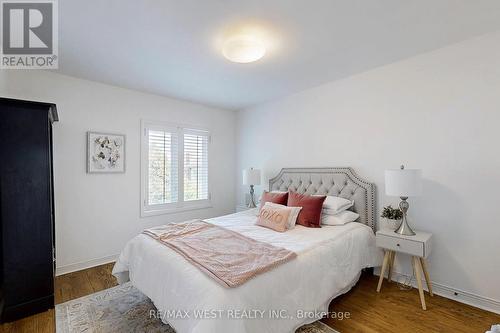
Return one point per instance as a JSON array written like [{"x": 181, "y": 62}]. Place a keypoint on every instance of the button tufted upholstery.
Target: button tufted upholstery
[{"x": 341, "y": 182}]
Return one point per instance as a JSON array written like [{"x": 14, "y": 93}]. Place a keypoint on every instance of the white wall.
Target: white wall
[
  {"x": 97, "y": 213},
  {"x": 439, "y": 111}
]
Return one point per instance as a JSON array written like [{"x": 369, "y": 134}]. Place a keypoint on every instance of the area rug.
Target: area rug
[{"x": 124, "y": 309}]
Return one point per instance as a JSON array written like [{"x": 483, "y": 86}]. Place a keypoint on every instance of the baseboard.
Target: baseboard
[
  {"x": 85, "y": 264},
  {"x": 461, "y": 296}
]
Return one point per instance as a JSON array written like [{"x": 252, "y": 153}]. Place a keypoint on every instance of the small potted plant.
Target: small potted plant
[{"x": 392, "y": 216}]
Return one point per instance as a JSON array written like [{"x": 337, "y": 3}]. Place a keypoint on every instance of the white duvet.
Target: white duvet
[{"x": 328, "y": 264}]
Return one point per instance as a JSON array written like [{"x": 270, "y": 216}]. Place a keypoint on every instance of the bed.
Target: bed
[{"x": 328, "y": 263}]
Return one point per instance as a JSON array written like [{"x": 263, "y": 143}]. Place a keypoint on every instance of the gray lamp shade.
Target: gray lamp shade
[
  {"x": 251, "y": 176},
  {"x": 403, "y": 182}
]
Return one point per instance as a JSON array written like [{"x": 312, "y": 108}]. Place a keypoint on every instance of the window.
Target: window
[
  {"x": 195, "y": 165},
  {"x": 174, "y": 168}
]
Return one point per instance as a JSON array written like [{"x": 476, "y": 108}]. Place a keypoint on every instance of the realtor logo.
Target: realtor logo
[{"x": 29, "y": 34}]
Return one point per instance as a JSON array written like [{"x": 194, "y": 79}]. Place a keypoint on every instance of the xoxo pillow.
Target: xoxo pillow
[
  {"x": 294, "y": 213},
  {"x": 275, "y": 217}
]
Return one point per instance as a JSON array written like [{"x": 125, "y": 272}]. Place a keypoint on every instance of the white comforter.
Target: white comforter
[{"x": 328, "y": 264}]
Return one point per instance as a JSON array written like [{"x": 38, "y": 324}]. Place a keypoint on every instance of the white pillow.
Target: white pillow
[
  {"x": 340, "y": 218},
  {"x": 293, "y": 214},
  {"x": 334, "y": 205}
]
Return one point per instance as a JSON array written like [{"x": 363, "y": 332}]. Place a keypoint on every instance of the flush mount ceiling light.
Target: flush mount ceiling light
[{"x": 243, "y": 49}]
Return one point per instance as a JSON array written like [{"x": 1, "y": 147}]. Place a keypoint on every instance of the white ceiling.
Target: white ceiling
[{"x": 170, "y": 47}]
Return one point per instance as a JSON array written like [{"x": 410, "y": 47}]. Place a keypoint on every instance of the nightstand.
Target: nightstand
[
  {"x": 418, "y": 246},
  {"x": 241, "y": 208}
]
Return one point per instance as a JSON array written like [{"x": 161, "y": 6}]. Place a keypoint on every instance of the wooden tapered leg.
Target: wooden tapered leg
[
  {"x": 382, "y": 272},
  {"x": 423, "y": 262},
  {"x": 391, "y": 265},
  {"x": 418, "y": 276}
]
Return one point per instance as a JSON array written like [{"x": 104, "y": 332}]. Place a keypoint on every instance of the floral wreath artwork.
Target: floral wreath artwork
[{"x": 105, "y": 152}]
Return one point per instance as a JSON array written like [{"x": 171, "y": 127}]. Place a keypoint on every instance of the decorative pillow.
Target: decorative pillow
[
  {"x": 310, "y": 215},
  {"x": 335, "y": 205},
  {"x": 262, "y": 194},
  {"x": 279, "y": 198},
  {"x": 339, "y": 219},
  {"x": 275, "y": 218},
  {"x": 292, "y": 219}
]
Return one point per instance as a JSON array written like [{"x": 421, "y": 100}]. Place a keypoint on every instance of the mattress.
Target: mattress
[{"x": 329, "y": 260}]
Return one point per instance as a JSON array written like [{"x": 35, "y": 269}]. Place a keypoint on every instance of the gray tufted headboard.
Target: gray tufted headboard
[{"x": 341, "y": 182}]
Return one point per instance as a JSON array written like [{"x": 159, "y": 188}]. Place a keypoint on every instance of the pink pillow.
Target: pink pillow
[
  {"x": 275, "y": 218},
  {"x": 310, "y": 215},
  {"x": 274, "y": 197}
]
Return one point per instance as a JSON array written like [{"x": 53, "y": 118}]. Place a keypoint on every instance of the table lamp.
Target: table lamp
[
  {"x": 403, "y": 183},
  {"x": 251, "y": 177}
]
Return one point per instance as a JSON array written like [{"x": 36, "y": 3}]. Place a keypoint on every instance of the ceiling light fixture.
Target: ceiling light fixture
[{"x": 243, "y": 49}]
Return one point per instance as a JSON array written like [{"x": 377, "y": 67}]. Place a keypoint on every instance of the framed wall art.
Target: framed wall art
[{"x": 105, "y": 152}]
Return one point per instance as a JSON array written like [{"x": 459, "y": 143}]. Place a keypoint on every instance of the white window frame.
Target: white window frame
[{"x": 180, "y": 205}]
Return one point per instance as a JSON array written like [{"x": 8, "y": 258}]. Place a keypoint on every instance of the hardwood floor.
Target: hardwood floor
[
  {"x": 392, "y": 310},
  {"x": 67, "y": 287},
  {"x": 395, "y": 310}
]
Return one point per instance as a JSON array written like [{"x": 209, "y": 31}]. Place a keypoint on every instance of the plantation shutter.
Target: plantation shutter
[
  {"x": 195, "y": 165},
  {"x": 163, "y": 180}
]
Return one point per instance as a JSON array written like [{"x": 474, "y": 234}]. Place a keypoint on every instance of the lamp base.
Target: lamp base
[
  {"x": 404, "y": 228},
  {"x": 251, "y": 204}
]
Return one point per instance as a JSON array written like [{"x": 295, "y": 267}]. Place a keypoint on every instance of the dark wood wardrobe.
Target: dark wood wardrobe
[{"x": 27, "y": 255}]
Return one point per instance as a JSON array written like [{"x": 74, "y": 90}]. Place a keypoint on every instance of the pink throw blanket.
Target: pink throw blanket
[{"x": 227, "y": 256}]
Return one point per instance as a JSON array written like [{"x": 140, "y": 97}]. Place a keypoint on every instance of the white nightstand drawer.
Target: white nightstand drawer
[{"x": 397, "y": 244}]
